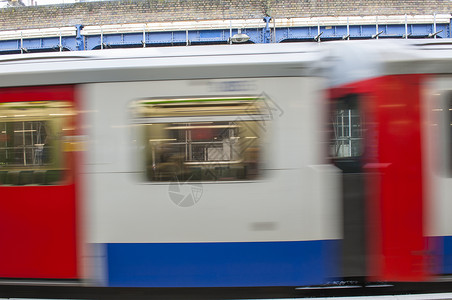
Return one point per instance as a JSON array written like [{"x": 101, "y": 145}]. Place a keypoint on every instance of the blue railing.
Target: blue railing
[{"x": 262, "y": 31}]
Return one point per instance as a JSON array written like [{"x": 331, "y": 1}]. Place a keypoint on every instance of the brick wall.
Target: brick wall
[{"x": 141, "y": 11}]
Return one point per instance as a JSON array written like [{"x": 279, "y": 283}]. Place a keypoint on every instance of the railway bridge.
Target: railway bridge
[{"x": 149, "y": 23}]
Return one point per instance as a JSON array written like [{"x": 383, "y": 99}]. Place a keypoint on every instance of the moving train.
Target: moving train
[{"x": 227, "y": 166}]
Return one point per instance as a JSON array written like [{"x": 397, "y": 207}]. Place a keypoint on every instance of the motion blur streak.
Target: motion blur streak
[{"x": 283, "y": 165}]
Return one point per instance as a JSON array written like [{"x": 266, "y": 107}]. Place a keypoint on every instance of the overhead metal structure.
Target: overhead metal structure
[{"x": 186, "y": 33}]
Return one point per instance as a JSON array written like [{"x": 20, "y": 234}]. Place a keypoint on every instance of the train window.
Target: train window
[
  {"x": 31, "y": 142},
  {"x": 448, "y": 125},
  {"x": 346, "y": 128},
  {"x": 214, "y": 139},
  {"x": 443, "y": 114}
]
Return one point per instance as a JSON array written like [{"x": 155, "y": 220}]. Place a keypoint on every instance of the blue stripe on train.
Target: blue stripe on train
[
  {"x": 447, "y": 261},
  {"x": 221, "y": 264},
  {"x": 440, "y": 247}
]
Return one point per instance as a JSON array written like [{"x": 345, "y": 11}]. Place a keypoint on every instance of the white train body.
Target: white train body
[{"x": 272, "y": 229}]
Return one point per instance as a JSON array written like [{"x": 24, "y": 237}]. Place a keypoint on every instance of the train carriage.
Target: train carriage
[
  {"x": 227, "y": 166},
  {"x": 182, "y": 167},
  {"x": 394, "y": 182}
]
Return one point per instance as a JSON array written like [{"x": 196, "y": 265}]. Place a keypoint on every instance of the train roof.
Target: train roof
[
  {"x": 344, "y": 62},
  {"x": 165, "y": 63},
  {"x": 420, "y": 57},
  {"x": 360, "y": 60}
]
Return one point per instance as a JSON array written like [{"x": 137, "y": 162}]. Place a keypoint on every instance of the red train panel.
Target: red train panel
[
  {"x": 392, "y": 164},
  {"x": 38, "y": 232}
]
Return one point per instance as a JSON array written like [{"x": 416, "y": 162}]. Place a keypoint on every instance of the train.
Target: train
[{"x": 281, "y": 165}]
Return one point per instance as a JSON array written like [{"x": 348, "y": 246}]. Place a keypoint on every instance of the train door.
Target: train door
[
  {"x": 377, "y": 145},
  {"x": 379, "y": 153},
  {"x": 439, "y": 158},
  {"x": 346, "y": 150},
  {"x": 38, "y": 233},
  {"x": 396, "y": 214}
]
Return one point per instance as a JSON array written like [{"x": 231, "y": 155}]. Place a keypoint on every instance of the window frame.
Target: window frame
[
  {"x": 140, "y": 121},
  {"x": 348, "y": 103},
  {"x": 58, "y": 116}
]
